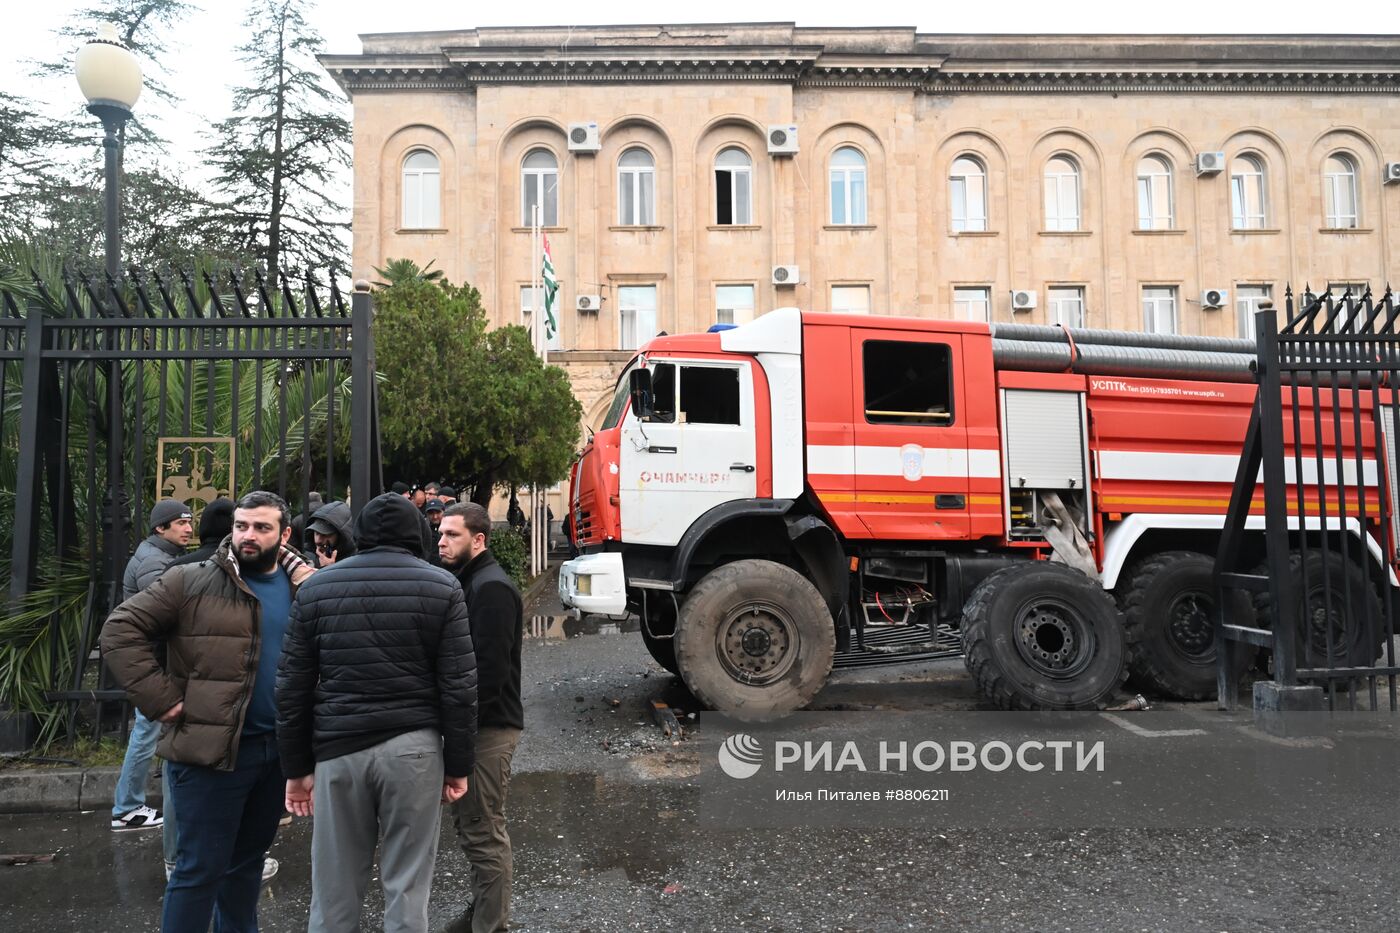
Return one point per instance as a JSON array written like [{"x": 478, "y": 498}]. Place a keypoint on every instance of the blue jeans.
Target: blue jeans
[
  {"x": 136, "y": 766},
  {"x": 228, "y": 820}
]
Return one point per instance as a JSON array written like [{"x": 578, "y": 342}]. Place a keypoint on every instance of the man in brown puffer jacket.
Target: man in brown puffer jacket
[{"x": 223, "y": 622}]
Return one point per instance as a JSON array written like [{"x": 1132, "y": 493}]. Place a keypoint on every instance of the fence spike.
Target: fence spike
[
  {"x": 164, "y": 295},
  {"x": 238, "y": 296},
  {"x": 287, "y": 296},
  {"x": 214, "y": 294},
  {"x": 260, "y": 280},
  {"x": 196, "y": 311}
]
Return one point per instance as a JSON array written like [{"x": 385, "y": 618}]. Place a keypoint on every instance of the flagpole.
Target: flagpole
[{"x": 535, "y": 314}]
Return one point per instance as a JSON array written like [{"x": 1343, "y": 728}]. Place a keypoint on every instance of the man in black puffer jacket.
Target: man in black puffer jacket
[{"x": 376, "y": 716}]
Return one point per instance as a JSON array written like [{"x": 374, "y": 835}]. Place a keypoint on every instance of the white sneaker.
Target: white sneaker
[
  {"x": 269, "y": 869},
  {"x": 141, "y": 818}
]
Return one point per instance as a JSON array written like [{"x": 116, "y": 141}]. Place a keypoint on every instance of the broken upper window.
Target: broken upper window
[
  {"x": 733, "y": 187},
  {"x": 908, "y": 383}
]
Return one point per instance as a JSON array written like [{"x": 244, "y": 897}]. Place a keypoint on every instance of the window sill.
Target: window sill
[
  {"x": 542, "y": 229},
  {"x": 1341, "y": 230},
  {"x": 1159, "y": 233},
  {"x": 727, "y": 227},
  {"x": 1066, "y": 233},
  {"x": 430, "y": 231},
  {"x": 848, "y": 226},
  {"x": 1255, "y": 231},
  {"x": 636, "y": 228},
  {"x": 957, "y": 233}
]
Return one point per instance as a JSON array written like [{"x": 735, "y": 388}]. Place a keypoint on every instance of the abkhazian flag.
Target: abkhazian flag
[{"x": 551, "y": 288}]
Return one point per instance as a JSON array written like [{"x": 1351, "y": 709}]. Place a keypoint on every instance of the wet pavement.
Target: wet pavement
[{"x": 602, "y": 817}]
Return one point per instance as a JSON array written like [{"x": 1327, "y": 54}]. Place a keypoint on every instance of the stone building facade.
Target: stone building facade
[{"x": 1118, "y": 179}]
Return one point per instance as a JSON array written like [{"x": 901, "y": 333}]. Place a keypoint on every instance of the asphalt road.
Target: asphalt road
[{"x": 603, "y": 818}]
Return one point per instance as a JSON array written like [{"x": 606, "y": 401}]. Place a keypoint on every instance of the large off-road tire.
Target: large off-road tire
[
  {"x": 754, "y": 638},
  {"x": 1168, "y": 605},
  {"x": 1355, "y": 642},
  {"x": 1043, "y": 636}
]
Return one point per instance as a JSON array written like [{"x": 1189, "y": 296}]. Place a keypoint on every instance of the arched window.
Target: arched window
[
  {"x": 1154, "y": 185},
  {"x": 847, "y": 186},
  {"x": 636, "y": 189},
  {"x": 1061, "y": 194},
  {"x": 733, "y": 187},
  {"x": 967, "y": 192},
  {"x": 1339, "y": 191},
  {"x": 1248, "y": 206},
  {"x": 539, "y": 185},
  {"x": 422, "y": 191}
]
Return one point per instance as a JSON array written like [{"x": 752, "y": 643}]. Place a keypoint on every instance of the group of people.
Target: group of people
[{"x": 359, "y": 685}]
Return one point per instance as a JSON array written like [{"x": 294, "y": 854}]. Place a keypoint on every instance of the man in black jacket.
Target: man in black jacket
[
  {"x": 376, "y": 717},
  {"x": 494, "y": 608}
]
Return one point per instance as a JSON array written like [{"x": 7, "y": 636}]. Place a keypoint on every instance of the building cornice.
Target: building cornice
[
  {"x": 1152, "y": 81},
  {"x": 845, "y": 58}
]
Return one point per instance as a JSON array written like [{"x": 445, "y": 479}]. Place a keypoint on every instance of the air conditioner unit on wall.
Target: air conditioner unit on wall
[
  {"x": 1022, "y": 300},
  {"x": 1391, "y": 173},
  {"x": 1214, "y": 298},
  {"x": 1210, "y": 163},
  {"x": 583, "y": 137},
  {"x": 785, "y": 275},
  {"x": 588, "y": 303},
  {"x": 782, "y": 139}
]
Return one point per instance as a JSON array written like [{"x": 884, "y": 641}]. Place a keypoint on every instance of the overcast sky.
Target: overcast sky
[{"x": 204, "y": 62}]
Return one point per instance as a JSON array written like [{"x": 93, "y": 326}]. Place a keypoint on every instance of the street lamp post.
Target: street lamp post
[{"x": 110, "y": 78}]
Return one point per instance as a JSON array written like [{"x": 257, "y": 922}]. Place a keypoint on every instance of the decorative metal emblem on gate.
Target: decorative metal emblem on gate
[{"x": 194, "y": 470}]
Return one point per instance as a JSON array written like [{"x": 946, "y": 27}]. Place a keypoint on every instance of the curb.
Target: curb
[
  {"x": 64, "y": 790},
  {"x": 541, "y": 582}
]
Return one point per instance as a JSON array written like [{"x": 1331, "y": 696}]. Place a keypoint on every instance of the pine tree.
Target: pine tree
[{"x": 278, "y": 158}]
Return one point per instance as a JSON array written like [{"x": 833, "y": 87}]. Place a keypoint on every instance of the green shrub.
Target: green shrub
[{"x": 512, "y": 553}]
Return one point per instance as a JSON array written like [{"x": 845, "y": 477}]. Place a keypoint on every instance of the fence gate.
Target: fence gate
[
  {"x": 1324, "y": 430},
  {"x": 189, "y": 386}
]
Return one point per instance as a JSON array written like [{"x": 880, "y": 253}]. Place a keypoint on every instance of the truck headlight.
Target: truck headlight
[{"x": 584, "y": 584}]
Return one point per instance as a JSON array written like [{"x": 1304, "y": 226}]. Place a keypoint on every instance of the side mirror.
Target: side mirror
[{"x": 641, "y": 394}]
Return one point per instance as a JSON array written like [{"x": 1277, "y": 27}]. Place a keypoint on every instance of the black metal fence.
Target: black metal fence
[
  {"x": 116, "y": 394},
  {"x": 1322, "y": 436}
]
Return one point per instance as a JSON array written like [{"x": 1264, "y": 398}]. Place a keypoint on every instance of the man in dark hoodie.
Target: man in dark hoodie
[
  {"x": 331, "y": 536},
  {"x": 494, "y": 608},
  {"x": 376, "y": 717}
]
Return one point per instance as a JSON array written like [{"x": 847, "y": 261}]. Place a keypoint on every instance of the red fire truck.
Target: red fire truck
[{"x": 758, "y": 494}]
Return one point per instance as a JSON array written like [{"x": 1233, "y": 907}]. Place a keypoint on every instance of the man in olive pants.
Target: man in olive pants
[{"x": 495, "y": 613}]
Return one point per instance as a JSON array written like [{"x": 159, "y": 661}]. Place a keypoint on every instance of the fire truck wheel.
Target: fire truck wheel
[
  {"x": 1043, "y": 636},
  {"x": 754, "y": 638},
  {"x": 1169, "y": 616},
  {"x": 1353, "y": 644}
]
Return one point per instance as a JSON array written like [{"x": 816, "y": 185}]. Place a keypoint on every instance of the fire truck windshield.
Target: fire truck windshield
[{"x": 620, "y": 396}]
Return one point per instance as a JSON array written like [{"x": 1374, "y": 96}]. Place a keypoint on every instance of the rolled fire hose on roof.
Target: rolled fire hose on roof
[
  {"x": 1105, "y": 360},
  {"x": 1042, "y": 333}
]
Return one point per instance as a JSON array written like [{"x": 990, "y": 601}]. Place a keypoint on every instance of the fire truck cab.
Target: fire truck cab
[{"x": 754, "y": 492}]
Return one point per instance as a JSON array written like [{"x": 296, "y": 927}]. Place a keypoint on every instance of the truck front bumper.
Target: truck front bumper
[{"x": 594, "y": 583}]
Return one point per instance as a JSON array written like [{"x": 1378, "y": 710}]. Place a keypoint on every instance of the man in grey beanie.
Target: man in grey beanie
[{"x": 171, "y": 525}]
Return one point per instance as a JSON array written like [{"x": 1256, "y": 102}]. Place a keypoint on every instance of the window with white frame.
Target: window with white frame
[
  {"x": 847, "y": 186},
  {"x": 1154, "y": 186},
  {"x": 1339, "y": 191},
  {"x": 733, "y": 187},
  {"x": 1159, "y": 309},
  {"x": 972, "y": 303},
  {"x": 967, "y": 193},
  {"x": 733, "y": 304},
  {"x": 636, "y": 188},
  {"x": 1248, "y": 298},
  {"x": 850, "y": 299},
  {"x": 539, "y": 185},
  {"x": 1248, "y": 208},
  {"x": 1067, "y": 305},
  {"x": 532, "y": 299},
  {"x": 1061, "y": 194},
  {"x": 636, "y": 305},
  {"x": 1338, "y": 289},
  {"x": 422, "y": 191}
]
